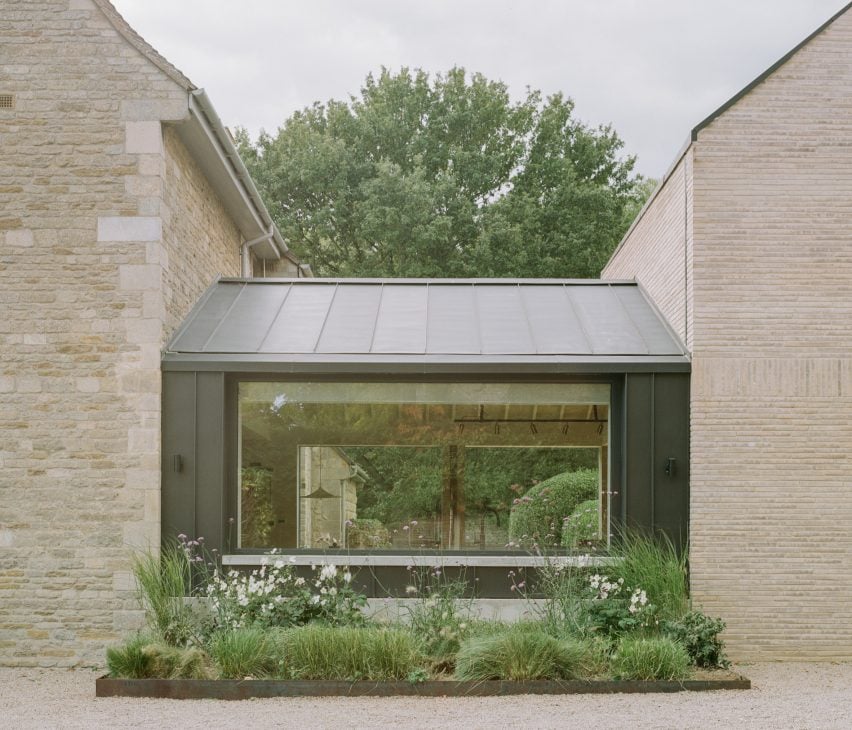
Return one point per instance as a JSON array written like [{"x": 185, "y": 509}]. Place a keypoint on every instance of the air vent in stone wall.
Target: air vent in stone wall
[{"x": 7, "y": 101}]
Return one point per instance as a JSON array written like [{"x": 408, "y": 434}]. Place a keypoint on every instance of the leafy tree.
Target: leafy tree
[{"x": 445, "y": 176}]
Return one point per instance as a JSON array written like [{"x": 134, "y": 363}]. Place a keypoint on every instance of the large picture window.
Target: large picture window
[{"x": 422, "y": 466}]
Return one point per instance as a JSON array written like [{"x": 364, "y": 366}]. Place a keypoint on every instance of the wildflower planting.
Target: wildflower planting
[{"x": 626, "y": 618}]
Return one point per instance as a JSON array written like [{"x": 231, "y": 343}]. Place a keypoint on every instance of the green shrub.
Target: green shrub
[
  {"x": 244, "y": 652},
  {"x": 654, "y": 564},
  {"x": 648, "y": 658},
  {"x": 367, "y": 534},
  {"x": 347, "y": 653},
  {"x": 537, "y": 516},
  {"x": 699, "y": 635},
  {"x": 583, "y": 526},
  {"x": 521, "y": 653}
]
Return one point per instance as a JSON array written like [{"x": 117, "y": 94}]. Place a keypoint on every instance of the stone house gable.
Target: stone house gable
[{"x": 121, "y": 203}]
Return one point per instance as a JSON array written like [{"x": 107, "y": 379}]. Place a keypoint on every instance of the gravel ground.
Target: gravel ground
[{"x": 783, "y": 696}]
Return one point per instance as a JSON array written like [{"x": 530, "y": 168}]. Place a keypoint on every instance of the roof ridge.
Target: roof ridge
[
  {"x": 140, "y": 44},
  {"x": 766, "y": 73},
  {"x": 693, "y": 134}
]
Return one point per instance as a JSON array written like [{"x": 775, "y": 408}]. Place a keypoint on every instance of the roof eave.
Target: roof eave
[
  {"x": 210, "y": 144},
  {"x": 354, "y": 366}
]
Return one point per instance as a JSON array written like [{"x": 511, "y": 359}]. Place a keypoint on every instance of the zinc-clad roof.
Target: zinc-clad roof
[{"x": 269, "y": 322}]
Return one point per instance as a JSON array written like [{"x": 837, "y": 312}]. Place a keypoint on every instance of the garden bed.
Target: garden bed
[
  {"x": 243, "y": 689},
  {"x": 272, "y": 633}
]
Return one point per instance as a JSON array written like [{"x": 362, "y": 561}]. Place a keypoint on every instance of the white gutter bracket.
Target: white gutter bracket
[{"x": 245, "y": 250}]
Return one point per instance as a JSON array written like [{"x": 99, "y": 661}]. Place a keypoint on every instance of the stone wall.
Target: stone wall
[
  {"x": 197, "y": 229},
  {"x": 95, "y": 247}
]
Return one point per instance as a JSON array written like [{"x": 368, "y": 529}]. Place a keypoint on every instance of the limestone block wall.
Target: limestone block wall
[
  {"x": 657, "y": 251},
  {"x": 89, "y": 247},
  {"x": 196, "y": 229},
  {"x": 772, "y": 381}
]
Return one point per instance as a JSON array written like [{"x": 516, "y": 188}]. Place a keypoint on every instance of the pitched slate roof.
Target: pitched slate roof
[{"x": 280, "y": 323}]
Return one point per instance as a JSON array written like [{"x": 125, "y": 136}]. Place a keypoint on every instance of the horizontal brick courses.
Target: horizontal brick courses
[{"x": 771, "y": 304}]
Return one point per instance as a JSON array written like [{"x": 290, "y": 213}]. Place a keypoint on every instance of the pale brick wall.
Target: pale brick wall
[
  {"x": 772, "y": 386},
  {"x": 771, "y": 422},
  {"x": 97, "y": 212},
  {"x": 657, "y": 251}
]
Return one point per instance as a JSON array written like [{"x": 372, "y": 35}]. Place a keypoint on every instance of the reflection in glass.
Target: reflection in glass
[{"x": 401, "y": 466}]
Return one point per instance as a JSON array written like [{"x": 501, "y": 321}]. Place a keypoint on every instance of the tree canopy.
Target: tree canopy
[{"x": 423, "y": 176}]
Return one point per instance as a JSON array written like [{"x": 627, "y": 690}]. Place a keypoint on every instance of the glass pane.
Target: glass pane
[{"x": 401, "y": 466}]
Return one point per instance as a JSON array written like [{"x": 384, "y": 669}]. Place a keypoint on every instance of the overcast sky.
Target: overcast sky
[{"x": 652, "y": 68}]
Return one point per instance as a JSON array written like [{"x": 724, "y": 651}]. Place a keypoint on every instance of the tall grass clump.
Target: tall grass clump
[
  {"x": 129, "y": 660},
  {"x": 564, "y": 588},
  {"x": 244, "y": 652},
  {"x": 173, "y": 662},
  {"x": 649, "y": 658},
  {"x": 347, "y": 653},
  {"x": 521, "y": 654},
  {"x": 163, "y": 580},
  {"x": 142, "y": 657},
  {"x": 655, "y": 565}
]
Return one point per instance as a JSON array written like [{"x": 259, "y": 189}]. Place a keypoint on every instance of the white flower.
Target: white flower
[
  {"x": 410, "y": 590},
  {"x": 328, "y": 572},
  {"x": 347, "y": 577},
  {"x": 315, "y": 599},
  {"x": 300, "y": 581}
]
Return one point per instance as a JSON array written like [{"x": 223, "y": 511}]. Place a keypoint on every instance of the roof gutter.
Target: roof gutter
[{"x": 202, "y": 110}]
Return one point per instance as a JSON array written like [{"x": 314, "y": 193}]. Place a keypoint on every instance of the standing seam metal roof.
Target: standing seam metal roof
[{"x": 435, "y": 320}]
